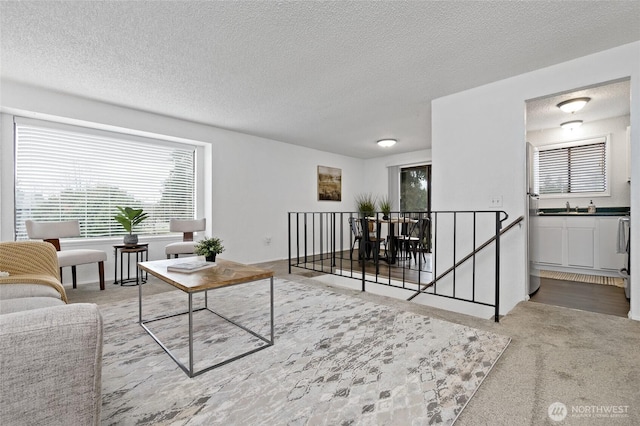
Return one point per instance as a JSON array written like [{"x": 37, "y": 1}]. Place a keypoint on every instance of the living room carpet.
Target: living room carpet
[{"x": 336, "y": 360}]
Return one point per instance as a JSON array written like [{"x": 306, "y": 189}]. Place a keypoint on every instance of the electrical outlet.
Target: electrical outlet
[
  {"x": 267, "y": 241},
  {"x": 495, "y": 201}
]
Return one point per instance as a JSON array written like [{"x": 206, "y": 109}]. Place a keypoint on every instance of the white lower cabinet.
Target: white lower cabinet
[
  {"x": 547, "y": 242},
  {"x": 585, "y": 243},
  {"x": 580, "y": 244},
  {"x": 607, "y": 249}
]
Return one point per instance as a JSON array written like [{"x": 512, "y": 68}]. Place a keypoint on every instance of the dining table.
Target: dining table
[{"x": 391, "y": 234}]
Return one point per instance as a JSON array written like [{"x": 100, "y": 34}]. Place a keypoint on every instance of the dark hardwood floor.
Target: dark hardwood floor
[
  {"x": 401, "y": 270},
  {"x": 604, "y": 299}
]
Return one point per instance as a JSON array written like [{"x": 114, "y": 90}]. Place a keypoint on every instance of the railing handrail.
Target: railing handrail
[{"x": 467, "y": 257}]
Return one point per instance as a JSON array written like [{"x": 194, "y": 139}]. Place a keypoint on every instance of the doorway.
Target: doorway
[{"x": 565, "y": 236}]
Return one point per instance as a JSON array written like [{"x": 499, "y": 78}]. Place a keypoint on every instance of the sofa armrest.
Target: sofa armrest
[{"x": 51, "y": 366}]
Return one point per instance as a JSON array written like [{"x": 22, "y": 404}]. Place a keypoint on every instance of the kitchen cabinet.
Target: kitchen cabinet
[
  {"x": 582, "y": 244},
  {"x": 547, "y": 244},
  {"x": 608, "y": 236}
]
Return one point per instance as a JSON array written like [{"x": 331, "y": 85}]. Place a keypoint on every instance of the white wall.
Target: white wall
[
  {"x": 252, "y": 182},
  {"x": 619, "y": 188},
  {"x": 486, "y": 156},
  {"x": 376, "y": 170}
]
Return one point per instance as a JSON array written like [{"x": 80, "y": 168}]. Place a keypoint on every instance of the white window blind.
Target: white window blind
[
  {"x": 67, "y": 172},
  {"x": 580, "y": 168}
]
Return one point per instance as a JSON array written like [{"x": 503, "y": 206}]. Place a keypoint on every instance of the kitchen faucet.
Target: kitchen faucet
[{"x": 568, "y": 207}]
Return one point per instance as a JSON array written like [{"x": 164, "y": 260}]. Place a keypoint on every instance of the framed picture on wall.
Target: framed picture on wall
[{"x": 329, "y": 184}]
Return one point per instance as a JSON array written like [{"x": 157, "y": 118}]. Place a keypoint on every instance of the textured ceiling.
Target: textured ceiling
[
  {"x": 335, "y": 76},
  {"x": 607, "y": 101}
]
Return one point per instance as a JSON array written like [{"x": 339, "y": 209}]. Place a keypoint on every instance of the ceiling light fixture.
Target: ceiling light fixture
[
  {"x": 571, "y": 125},
  {"x": 573, "y": 105},
  {"x": 386, "y": 143}
]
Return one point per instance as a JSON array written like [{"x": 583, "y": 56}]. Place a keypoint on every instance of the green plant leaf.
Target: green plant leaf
[
  {"x": 129, "y": 217},
  {"x": 209, "y": 247},
  {"x": 366, "y": 203}
]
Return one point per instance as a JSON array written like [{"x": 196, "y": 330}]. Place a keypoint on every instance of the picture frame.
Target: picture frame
[{"x": 329, "y": 184}]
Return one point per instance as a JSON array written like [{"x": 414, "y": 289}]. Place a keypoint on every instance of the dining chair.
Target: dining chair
[
  {"x": 51, "y": 232},
  {"x": 402, "y": 240},
  {"x": 187, "y": 227},
  {"x": 371, "y": 243},
  {"x": 415, "y": 239},
  {"x": 356, "y": 231}
]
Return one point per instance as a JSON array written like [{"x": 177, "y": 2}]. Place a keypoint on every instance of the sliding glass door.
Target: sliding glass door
[{"x": 415, "y": 188}]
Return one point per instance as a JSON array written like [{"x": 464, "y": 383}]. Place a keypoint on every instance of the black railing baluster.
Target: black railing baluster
[
  {"x": 306, "y": 231},
  {"x": 455, "y": 228},
  {"x": 497, "y": 298},
  {"x": 473, "y": 262},
  {"x": 320, "y": 217},
  {"x": 333, "y": 241},
  {"x": 289, "y": 239},
  {"x": 341, "y": 238},
  {"x": 325, "y": 241},
  {"x": 435, "y": 251},
  {"x": 363, "y": 251}
]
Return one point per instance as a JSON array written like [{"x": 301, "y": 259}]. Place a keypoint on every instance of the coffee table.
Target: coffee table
[{"x": 226, "y": 273}]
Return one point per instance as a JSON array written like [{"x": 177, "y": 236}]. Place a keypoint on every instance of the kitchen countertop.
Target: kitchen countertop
[{"x": 602, "y": 211}]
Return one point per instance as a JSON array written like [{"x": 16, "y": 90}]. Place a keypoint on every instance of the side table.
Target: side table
[{"x": 141, "y": 252}]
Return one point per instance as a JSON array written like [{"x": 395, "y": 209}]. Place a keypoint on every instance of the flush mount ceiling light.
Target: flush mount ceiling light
[
  {"x": 570, "y": 125},
  {"x": 573, "y": 105},
  {"x": 386, "y": 143}
]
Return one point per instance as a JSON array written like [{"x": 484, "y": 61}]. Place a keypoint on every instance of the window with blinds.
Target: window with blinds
[
  {"x": 68, "y": 172},
  {"x": 575, "y": 169}
]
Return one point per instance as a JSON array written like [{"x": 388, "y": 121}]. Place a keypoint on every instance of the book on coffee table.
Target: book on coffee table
[{"x": 192, "y": 266}]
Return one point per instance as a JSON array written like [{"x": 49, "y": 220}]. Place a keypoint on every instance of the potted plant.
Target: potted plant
[
  {"x": 209, "y": 247},
  {"x": 385, "y": 207},
  {"x": 129, "y": 218},
  {"x": 366, "y": 204}
]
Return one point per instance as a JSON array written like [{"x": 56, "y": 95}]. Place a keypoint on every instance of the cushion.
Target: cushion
[
  {"x": 28, "y": 303},
  {"x": 52, "y": 230},
  {"x": 80, "y": 257},
  {"x": 17, "y": 291},
  {"x": 182, "y": 247},
  {"x": 178, "y": 225}
]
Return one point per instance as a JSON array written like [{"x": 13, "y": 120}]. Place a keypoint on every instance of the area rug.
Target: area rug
[
  {"x": 337, "y": 360},
  {"x": 583, "y": 278}
]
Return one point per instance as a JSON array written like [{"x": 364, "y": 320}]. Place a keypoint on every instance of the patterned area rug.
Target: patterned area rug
[
  {"x": 591, "y": 279},
  {"x": 337, "y": 360}
]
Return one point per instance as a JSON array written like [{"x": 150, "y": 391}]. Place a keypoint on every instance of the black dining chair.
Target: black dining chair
[
  {"x": 403, "y": 240},
  {"x": 421, "y": 246},
  {"x": 371, "y": 243},
  {"x": 415, "y": 240},
  {"x": 356, "y": 231}
]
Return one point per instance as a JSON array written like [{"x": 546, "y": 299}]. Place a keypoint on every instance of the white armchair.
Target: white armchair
[
  {"x": 51, "y": 232},
  {"x": 187, "y": 227}
]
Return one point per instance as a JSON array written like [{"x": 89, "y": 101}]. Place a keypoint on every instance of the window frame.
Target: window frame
[
  {"x": 574, "y": 143},
  {"x": 428, "y": 171},
  {"x": 199, "y": 148}
]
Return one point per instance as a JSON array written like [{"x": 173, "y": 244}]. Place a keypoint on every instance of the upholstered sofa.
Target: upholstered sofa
[{"x": 50, "y": 351}]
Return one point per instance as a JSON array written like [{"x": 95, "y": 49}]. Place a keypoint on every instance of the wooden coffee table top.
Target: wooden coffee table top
[{"x": 224, "y": 274}]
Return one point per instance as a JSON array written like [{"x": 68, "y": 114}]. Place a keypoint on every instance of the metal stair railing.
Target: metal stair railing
[
  {"x": 324, "y": 242},
  {"x": 495, "y": 238}
]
